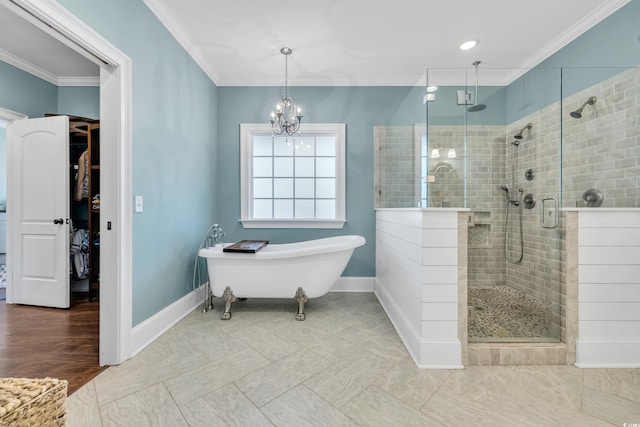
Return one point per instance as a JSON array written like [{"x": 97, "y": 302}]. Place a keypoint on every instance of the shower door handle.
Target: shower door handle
[{"x": 549, "y": 212}]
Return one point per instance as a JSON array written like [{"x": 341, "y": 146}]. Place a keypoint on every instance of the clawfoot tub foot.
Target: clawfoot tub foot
[
  {"x": 228, "y": 297},
  {"x": 300, "y": 298}
]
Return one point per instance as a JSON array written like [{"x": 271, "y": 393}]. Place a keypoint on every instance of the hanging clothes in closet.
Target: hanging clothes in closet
[
  {"x": 79, "y": 253},
  {"x": 82, "y": 178}
]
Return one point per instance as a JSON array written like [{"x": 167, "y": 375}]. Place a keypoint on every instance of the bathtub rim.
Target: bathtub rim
[{"x": 290, "y": 250}]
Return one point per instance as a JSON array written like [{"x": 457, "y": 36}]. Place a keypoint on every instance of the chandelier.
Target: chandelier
[{"x": 287, "y": 117}]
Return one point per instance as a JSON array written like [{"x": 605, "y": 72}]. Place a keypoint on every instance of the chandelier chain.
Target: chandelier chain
[{"x": 286, "y": 75}]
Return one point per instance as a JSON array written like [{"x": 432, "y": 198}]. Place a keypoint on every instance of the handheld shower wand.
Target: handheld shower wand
[
  {"x": 516, "y": 203},
  {"x": 506, "y": 192}
]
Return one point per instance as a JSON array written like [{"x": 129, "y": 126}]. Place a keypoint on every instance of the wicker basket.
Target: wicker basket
[{"x": 28, "y": 402}]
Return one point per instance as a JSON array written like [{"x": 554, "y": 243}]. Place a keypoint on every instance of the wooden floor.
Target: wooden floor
[{"x": 37, "y": 342}]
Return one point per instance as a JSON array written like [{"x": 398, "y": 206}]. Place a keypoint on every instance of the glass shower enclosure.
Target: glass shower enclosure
[{"x": 516, "y": 147}]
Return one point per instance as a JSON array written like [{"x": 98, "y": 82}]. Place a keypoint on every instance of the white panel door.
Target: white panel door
[{"x": 38, "y": 192}]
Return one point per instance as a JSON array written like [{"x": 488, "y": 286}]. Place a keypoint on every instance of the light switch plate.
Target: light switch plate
[{"x": 138, "y": 204}]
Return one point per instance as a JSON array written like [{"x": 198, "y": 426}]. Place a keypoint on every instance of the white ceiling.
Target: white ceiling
[
  {"x": 371, "y": 42},
  {"x": 335, "y": 42},
  {"x": 29, "y": 48}
]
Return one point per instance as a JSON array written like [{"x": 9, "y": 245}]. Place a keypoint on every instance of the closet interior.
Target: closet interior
[{"x": 84, "y": 239}]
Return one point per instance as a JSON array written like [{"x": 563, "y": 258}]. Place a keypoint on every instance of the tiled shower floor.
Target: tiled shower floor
[{"x": 500, "y": 313}]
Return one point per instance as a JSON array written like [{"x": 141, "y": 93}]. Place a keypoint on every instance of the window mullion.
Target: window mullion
[
  {"x": 315, "y": 178},
  {"x": 293, "y": 160},
  {"x": 273, "y": 179}
]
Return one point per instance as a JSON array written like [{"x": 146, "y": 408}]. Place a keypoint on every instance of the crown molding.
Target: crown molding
[
  {"x": 36, "y": 71},
  {"x": 78, "y": 81},
  {"x": 570, "y": 34},
  {"x": 177, "y": 31},
  {"x": 10, "y": 115},
  {"x": 28, "y": 67}
]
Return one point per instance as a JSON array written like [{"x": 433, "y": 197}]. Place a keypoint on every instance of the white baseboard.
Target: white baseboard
[
  {"x": 406, "y": 332},
  {"x": 437, "y": 354},
  {"x": 607, "y": 354},
  {"x": 440, "y": 354},
  {"x": 354, "y": 284},
  {"x": 146, "y": 332}
]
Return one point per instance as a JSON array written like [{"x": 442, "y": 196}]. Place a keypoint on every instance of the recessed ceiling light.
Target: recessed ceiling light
[{"x": 469, "y": 44}]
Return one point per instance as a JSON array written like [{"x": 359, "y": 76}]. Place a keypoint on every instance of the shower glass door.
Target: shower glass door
[{"x": 492, "y": 161}]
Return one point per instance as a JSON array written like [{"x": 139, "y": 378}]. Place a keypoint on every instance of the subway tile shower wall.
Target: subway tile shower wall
[
  {"x": 395, "y": 166},
  {"x": 601, "y": 150}
]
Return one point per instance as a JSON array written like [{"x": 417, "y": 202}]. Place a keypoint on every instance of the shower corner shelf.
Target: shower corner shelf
[{"x": 482, "y": 216}]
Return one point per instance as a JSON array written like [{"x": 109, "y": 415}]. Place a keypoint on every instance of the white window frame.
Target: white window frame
[{"x": 247, "y": 132}]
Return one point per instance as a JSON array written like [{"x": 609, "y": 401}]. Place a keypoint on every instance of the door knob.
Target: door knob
[{"x": 58, "y": 221}]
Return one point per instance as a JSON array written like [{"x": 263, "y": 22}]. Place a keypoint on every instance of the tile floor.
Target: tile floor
[{"x": 344, "y": 366}]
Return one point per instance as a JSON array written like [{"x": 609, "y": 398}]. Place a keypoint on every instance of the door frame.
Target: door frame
[{"x": 115, "y": 161}]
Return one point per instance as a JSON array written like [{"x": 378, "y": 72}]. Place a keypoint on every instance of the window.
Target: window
[{"x": 292, "y": 182}]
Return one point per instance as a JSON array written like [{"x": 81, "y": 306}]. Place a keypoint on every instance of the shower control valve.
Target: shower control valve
[
  {"x": 529, "y": 201},
  {"x": 529, "y": 174}
]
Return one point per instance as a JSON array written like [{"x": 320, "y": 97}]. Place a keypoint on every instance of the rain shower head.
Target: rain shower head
[
  {"x": 578, "y": 113},
  {"x": 476, "y": 107},
  {"x": 519, "y": 134}
]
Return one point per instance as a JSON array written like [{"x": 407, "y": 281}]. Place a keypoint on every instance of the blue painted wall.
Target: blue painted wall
[
  {"x": 174, "y": 149},
  {"x": 3, "y": 164},
  {"x": 23, "y": 93},
  {"x": 361, "y": 108},
  {"x": 446, "y": 111},
  {"x": 79, "y": 101},
  {"x": 614, "y": 42}
]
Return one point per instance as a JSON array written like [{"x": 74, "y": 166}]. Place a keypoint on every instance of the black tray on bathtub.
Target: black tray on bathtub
[{"x": 246, "y": 246}]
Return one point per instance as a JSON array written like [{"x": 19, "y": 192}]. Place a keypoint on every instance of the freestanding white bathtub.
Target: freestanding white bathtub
[{"x": 300, "y": 270}]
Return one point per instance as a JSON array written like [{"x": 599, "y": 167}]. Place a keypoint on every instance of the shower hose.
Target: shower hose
[{"x": 506, "y": 230}]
